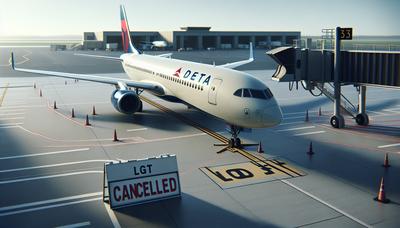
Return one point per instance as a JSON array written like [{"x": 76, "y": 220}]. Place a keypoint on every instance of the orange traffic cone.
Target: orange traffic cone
[
  {"x": 386, "y": 161},
  {"x": 319, "y": 112},
  {"x": 259, "y": 148},
  {"x": 72, "y": 113},
  {"x": 310, "y": 149},
  {"x": 87, "y": 121},
  {"x": 307, "y": 119},
  {"x": 115, "y": 136},
  {"x": 40, "y": 93},
  {"x": 381, "y": 194},
  {"x": 55, "y": 105},
  {"x": 94, "y": 111}
]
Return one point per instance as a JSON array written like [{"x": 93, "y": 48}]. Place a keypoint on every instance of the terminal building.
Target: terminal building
[{"x": 194, "y": 38}]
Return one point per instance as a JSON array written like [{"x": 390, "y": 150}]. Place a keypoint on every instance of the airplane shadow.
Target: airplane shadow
[{"x": 148, "y": 118}]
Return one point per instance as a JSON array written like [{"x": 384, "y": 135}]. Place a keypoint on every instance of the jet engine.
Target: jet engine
[{"x": 126, "y": 101}]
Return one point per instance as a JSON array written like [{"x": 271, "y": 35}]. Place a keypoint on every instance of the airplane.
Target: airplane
[
  {"x": 236, "y": 97},
  {"x": 157, "y": 44}
]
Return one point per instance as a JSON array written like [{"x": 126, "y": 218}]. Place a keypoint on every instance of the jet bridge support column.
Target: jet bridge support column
[
  {"x": 337, "y": 120},
  {"x": 362, "y": 117}
]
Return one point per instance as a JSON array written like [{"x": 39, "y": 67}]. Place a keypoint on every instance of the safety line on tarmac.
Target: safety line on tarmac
[
  {"x": 4, "y": 94},
  {"x": 50, "y": 206},
  {"x": 52, "y": 165},
  {"x": 49, "y": 176},
  {"x": 250, "y": 156},
  {"x": 295, "y": 129},
  {"x": 326, "y": 204},
  {"x": 10, "y": 124},
  {"x": 38, "y": 203},
  {"x": 389, "y": 145},
  {"x": 45, "y": 153},
  {"x": 310, "y": 133},
  {"x": 12, "y": 114}
]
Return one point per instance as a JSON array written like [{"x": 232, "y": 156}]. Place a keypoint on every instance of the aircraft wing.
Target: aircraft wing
[
  {"x": 92, "y": 78},
  {"x": 240, "y": 63}
]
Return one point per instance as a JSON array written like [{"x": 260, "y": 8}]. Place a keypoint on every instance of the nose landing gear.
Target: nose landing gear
[{"x": 234, "y": 142}]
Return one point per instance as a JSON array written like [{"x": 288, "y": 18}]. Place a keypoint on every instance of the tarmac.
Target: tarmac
[{"x": 51, "y": 165}]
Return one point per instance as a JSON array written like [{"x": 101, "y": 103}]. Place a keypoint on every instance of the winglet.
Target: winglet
[
  {"x": 251, "y": 51},
  {"x": 12, "y": 61}
]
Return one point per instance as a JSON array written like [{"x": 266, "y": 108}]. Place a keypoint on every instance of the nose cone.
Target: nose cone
[{"x": 272, "y": 116}]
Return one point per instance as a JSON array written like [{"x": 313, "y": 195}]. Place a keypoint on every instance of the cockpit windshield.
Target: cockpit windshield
[{"x": 259, "y": 94}]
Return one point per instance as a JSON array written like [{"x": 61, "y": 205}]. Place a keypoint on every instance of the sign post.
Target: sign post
[{"x": 142, "y": 181}]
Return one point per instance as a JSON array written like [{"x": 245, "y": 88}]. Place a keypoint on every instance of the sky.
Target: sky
[{"x": 73, "y": 17}]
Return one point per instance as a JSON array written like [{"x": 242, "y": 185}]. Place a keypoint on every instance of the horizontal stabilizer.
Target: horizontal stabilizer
[{"x": 99, "y": 56}]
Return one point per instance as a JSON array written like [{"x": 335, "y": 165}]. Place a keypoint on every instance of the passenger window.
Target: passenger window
[
  {"x": 238, "y": 93},
  {"x": 246, "y": 93},
  {"x": 257, "y": 94}
]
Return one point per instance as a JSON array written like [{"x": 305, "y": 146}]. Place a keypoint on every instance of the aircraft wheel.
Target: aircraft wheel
[
  {"x": 238, "y": 143},
  {"x": 232, "y": 143},
  {"x": 362, "y": 119},
  {"x": 140, "y": 107},
  {"x": 337, "y": 121}
]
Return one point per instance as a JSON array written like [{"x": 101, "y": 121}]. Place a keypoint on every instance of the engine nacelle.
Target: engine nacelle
[{"x": 126, "y": 101}]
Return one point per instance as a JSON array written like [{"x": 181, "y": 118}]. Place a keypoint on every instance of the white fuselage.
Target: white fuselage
[{"x": 206, "y": 87}]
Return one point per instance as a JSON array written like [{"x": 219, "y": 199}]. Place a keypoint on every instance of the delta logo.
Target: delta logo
[{"x": 178, "y": 72}]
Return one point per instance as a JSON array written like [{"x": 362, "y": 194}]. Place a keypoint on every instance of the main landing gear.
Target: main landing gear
[{"x": 234, "y": 141}]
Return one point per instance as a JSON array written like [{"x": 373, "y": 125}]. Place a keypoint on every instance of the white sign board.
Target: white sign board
[{"x": 141, "y": 181}]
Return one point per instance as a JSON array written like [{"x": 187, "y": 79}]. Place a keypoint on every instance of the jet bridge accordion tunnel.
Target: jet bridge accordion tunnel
[{"x": 314, "y": 69}]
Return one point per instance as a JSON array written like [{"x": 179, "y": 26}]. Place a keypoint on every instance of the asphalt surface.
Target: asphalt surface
[{"x": 51, "y": 166}]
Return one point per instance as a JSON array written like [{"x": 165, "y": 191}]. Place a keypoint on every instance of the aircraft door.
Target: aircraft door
[{"x": 212, "y": 93}]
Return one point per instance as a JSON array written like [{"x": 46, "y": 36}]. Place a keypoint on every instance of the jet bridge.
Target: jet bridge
[{"x": 328, "y": 70}]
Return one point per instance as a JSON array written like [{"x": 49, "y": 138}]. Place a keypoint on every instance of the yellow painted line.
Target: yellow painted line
[
  {"x": 261, "y": 162},
  {"x": 4, "y": 94}
]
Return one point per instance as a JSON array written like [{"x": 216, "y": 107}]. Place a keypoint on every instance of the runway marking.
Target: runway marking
[
  {"x": 38, "y": 203},
  {"x": 25, "y": 106},
  {"x": 7, "y": 127},
  {"x": 4, "y": 94},
  {"x": 136, "y": 129},
  {"x": 45, "y": 153},
  {"x": 11, "y": 124},
  {"x": 389, "y": 145},
  {"x": 48, "y": 177},
  {"x": 252, "y": 172},
  {"x": 75, "y": 225},
  {"x": 50, "y": 206},
  {"x": 12, "y": 114},
  {"x": 327, "y": 204},
  {"x": 52, "y": 165},
  {"x": 4, "y": 109},
  {"x": 309, "y": 133},
  {"x": 112, "y": 216},
  {"x": 290, "y": 123},
  {"x": 296, "y": 128},
  {"x": 12, "y": 118}
]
